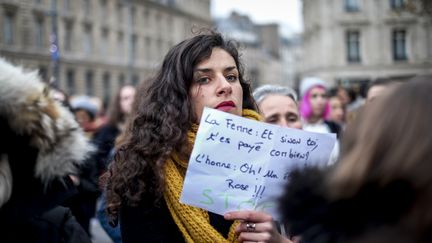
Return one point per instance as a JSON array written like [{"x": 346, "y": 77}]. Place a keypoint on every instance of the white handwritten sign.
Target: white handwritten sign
[{"x": 242, "y": 164}]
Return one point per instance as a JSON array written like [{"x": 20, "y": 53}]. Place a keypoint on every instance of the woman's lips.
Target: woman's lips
[{"x": 226, "y": 106}]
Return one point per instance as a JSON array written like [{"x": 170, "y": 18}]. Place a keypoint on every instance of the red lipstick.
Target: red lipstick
[{"x": 225, "y": 106}]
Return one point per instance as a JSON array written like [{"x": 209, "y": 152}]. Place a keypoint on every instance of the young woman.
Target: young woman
[
  {"x": 105, "y": 137},
  {"x": 314, "y": 107},
  {"x": 337, "y": 111},
  {"x": 146, "y": 177}
]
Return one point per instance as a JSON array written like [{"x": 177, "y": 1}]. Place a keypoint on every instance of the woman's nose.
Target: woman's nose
[
  {"x": 283, "y": 122},
  {"x": 224, "y": 87}
]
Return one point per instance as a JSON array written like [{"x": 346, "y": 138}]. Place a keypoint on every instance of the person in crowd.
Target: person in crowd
[
  {"x": 278, "y": 105},
  {"x": 381, "y": 189},
  {"x": 105, "y": 137},
  {"x": 85, "y": 111},
  {"x": 314, "y": 107},
  {"x": 104, "y": 140},
  {"x": 314, "y": 110},
  {"x": 41, "y": 146},
  {"x": 351, "y": 101},
  {"x": 337, "y": 109},
  {"x": 145, "y": 179},
  {"x": 379, "y": 87},
  {"x": 83, "y": 203}
]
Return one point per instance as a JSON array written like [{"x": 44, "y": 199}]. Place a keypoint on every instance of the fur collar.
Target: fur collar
[{"x": 29, "y": 109}]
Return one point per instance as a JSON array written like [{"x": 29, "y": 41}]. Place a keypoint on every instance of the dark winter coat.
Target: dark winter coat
[
  {"x": 41, "y": 144},
  {"x": 149, "y": 222}
]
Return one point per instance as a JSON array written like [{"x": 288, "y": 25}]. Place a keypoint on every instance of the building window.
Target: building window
[
  {"x": 67, "y": 6},
  {"x": 106, "y": 82},
  {"x": 120, "y": 12},
  {"x": 70, "y": 82},
  {"x": 104, "y": 42},
  {"x": 352, "y": 6},
  {"x": 121, "y": 80},
  {"x": 68, "y": 37},
  {"x": 40, "y": 32},
  {"x": 87, "y": 7},
  {"x": 89, "y": 83},
  {"x": 147, "y": 44},
  {"x": 397, "y": 4},
  {"x": 103, "y": 9},
  {"x": 134, "y": 47},
  {"x": 353, "y": 46},
  {"x": 120, "y": 43},
  {"x": 8, "y": 28},
  {"x": 146, "y": 15},
  {"x": 132, "y": 16},
  {"x": 88, "y": 41},
  {"x": 159, "y": 47},
  {"x": 135, "y": 80},
  {"x": 399, "y": 45}
]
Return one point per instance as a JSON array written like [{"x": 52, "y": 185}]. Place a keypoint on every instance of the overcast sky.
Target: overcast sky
[{"x": 285, "y": 12}]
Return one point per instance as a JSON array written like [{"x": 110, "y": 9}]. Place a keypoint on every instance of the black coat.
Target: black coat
[
  {"x": 32, "y": 213},
  {"x": 104, "y": 140},
  {"x": 57, "y": 225},
  {"x": 148, "y": 222},
  {"x": 41, "y": 145}
]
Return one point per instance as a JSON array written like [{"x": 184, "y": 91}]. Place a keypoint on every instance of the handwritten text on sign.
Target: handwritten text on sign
[{"x": 241, "y": 164}]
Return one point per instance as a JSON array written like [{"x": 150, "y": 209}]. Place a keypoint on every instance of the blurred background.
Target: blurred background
[{"x": 92, "y": 47}]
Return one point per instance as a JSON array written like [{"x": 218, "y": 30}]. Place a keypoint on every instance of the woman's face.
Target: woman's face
[
  {"x": 127, "y": 95},
  {"x": 336, "y": 110},
  {"x": 318, "y": 100},
  {"x": 216, "y": 85},
  {"x": 280, "y": 110}
]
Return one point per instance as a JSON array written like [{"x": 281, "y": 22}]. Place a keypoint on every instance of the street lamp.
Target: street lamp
[{"x": 54, "y": 47}]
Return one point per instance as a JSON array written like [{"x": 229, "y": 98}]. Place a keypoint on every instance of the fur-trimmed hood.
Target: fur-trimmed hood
[{"x": 29, "y": 109}]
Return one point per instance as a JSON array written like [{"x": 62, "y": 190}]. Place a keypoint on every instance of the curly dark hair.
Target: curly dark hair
[{"x": 161, "y": 118}]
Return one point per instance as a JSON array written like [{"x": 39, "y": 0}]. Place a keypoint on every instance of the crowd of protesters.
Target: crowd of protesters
[{"x": 67, "y": 159}]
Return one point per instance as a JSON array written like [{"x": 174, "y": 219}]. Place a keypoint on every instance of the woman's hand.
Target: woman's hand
[{"x": 255, "y": 227}]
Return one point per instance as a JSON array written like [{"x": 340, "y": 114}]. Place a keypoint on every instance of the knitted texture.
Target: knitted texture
[{"x": 193, "y": 222}]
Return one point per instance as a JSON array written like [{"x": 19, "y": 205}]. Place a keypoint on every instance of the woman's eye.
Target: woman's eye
[
  {"x": 292, "y": 119},
  {"x": 271, "y": 120},
  {"x": 203, "y": 80},
  {"x": 231, "y": 78}
]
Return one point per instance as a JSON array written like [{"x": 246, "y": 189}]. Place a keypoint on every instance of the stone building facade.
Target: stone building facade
[
  {"x": 102, "y": 44},
  {"x": 260, "y": 46},
  {"x": 356, "y": 41}
]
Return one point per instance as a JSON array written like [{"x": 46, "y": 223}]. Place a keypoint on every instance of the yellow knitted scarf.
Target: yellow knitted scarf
[{"x": 194, "y": 223}]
